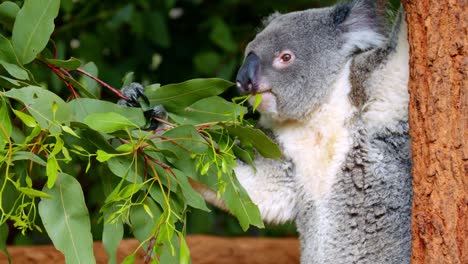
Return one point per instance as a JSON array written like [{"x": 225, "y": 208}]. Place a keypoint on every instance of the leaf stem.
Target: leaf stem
[
  {"x": 115, "y": 91},
  {"x": 60, "y": 75}
]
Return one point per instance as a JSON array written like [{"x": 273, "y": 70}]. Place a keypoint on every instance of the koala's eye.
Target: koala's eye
[
  {"x": 286, "y": 57},
  {"x": 283, "y": 59}
]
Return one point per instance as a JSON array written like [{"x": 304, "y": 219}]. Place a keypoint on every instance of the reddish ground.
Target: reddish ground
[{"x": 204, "y": 250}]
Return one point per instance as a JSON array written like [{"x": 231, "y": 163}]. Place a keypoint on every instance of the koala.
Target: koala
[{"x": 333, "y": 84}]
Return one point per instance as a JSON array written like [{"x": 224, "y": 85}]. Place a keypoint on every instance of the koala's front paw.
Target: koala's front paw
[
  {"x": 134, "y": 92},
  {"x": 155, "y": 113}
]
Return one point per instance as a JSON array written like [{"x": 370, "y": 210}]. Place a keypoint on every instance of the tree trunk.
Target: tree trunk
[{"x": 439, "y": 129}]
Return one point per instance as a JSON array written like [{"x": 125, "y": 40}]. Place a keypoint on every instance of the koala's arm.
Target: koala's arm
[{"x": 270, "y": 186}]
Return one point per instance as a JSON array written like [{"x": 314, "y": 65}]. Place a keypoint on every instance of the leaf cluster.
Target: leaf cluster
[{"x": 52, "y": 144}]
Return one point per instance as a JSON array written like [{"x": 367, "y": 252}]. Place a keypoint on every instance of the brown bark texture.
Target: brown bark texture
[{"x": 439, "y": 129}]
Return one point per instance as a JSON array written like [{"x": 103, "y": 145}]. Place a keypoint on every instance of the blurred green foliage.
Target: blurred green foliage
[{"x": 163, "y": 41}]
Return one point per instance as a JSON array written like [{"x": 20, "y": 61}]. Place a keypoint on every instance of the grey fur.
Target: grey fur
[
  {"x": 365, "y": 218},
  {"x": 365, "y": 63},
  {"x": 318, "y": 36},
  {"x": 370, "y": 205}
]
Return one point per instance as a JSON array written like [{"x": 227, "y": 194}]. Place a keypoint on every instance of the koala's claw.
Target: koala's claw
[
  {"x": 135, "y": 91},
  {"x": 158, "y": 112}
]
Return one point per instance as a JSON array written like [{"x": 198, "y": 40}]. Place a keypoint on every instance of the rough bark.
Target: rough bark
[{"x": 439, "y": 129}]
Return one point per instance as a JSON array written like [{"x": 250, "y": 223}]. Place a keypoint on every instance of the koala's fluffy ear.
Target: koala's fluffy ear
[
  {"x": 270, "y": 18},
  {"x": 362, "y": 24}
]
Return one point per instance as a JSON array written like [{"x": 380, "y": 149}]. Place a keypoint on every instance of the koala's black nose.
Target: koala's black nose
[{"x": 247, "y": 79}]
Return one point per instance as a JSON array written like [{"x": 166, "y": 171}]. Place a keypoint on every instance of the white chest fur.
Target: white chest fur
[
  {"x": 388, "y": 89},
  {"x": 318, "y": 148}
]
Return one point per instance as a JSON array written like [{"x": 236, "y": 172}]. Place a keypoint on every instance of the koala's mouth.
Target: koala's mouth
[
  {"x": 268, "y": 103},
  {"x": 264, "y": 92}
]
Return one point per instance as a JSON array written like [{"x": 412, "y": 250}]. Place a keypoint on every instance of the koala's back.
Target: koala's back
[{"x": 366, "y": 218}]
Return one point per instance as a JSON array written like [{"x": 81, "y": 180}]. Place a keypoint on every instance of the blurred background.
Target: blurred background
[{"x": 161, "y": 41}]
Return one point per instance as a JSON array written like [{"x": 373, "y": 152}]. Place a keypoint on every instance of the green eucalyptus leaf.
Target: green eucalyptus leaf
[
  {"x": 33, "y": 193},
  {"x": 184, "y": 251},
  {"x": 33, "y": 26},
  {"x": 5, "y": 123},
  {"x": 128, "y": 79},
  {"x": 178, "y": 96},
  {"x": 125, "y": 148},
  {"x": 89, "y": 84},
  {"x": 70, "y": 64},
  {"x": 130, "y": 190},
  {"x": 142, "y": 224},
  {"x": 112, "y": 234},
  {"x": 130, "y": 259},
  {"x": 170, "y": 245},
  {"x": 8, "y": 12},
  {"x": 9, "y": 61},
  {"x": 25, "y": 118},
  {"x": 83, "y": 107},
  {"x": 89, "y": 140},
  {"x": 257, "y": 101},
  {"x": 207, "y": 110},
  {"x": 77, "y": 85},
  {"x": 123, "y": 167},
  {"x": 66, "y": 220},
  {"x": 25, "y": 155},
  {"x": 41, "y": 103},
  {"x": 108, "y": 122},
  {"x": 240, "y": 205},
  {"x": 34, "y": 133},
  {"x": 52, "y": 171},
  {"x": 255, "y": 137},
  {"x": 192, "y": 197},
  {"x": 11, "y": 83},
  {"x": 70, "y": 131},
  {"x": 103, "y": 156},
  {"x": 182, "y": 141},
  {"x": 243, "y": 155}
]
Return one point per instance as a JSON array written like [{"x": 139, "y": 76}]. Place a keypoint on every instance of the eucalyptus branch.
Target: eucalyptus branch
[
  {"x": 209, "y": 141},
  {"x": 60, "y": 75},
  {"x": 162, "y": 121},
  {"x": 115, "y": 91},
  {"x": 149, "y": 250}
]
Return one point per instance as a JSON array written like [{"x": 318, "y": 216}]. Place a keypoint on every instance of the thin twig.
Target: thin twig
[
  {"x": 164, "y": 121},
  {"x": 115, "y": 91},
  {"x": 209, "y": 141},
  {"x": 161, "y": 164},
  {"x": 60, "y": 75},
  {"x": 149, "y": 250}
]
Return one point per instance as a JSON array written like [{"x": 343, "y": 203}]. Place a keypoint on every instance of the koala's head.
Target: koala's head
[{"x": 294, "y": 61}]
